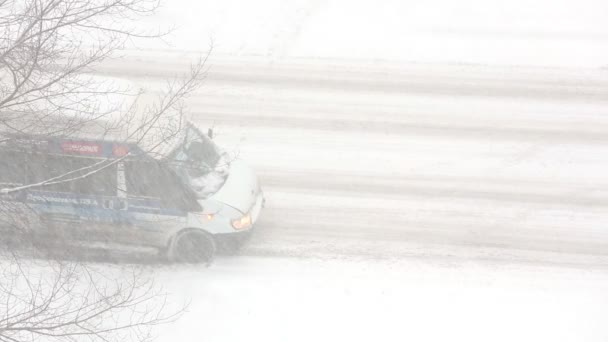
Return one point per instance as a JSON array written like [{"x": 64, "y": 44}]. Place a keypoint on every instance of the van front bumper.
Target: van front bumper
[{"x": 232, "y": 242}]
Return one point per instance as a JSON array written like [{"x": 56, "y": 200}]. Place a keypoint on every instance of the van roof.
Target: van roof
[
  {"x": 72, "y": 146},
  {"x": 92, "y": 138}
]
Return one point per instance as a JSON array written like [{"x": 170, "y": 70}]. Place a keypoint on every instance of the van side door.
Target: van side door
[
  {"x": 14, "y": 213},
  {"x": 157, "y": 204},
  {"x": 77, "y": 201}
]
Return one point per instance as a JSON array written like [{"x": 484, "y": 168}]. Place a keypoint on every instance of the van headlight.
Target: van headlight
[{"x": 242, "y": 223}]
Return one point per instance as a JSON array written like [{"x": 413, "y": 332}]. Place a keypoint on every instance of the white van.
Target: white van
[{"x": 183, "y": 203}]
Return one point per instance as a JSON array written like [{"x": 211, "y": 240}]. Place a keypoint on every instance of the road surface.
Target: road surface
[{"x": 384, "y": 160}]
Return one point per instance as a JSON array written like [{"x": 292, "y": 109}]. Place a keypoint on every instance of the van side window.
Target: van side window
[
  {"x": 42, "y": 167},
  {"x": 143, "y": 179},
  {"x": 101, "y": 182},
  {"x": 12, "y": 168},
  {"x": 152, "y": 180}
]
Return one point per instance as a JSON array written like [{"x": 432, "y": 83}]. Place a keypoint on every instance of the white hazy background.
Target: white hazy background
[
  {"x": 518, "y": 32},
  {"x": 502, "y": 102}
]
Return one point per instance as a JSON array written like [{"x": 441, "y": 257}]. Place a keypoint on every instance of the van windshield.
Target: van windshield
[{"x": 199, "y": 162}]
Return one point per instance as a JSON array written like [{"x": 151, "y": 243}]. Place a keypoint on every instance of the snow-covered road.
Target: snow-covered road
[
  {"x": 411, "y": 160},
  {"x": 450, "y": 195},
  {"x": 405, "y": 203}
]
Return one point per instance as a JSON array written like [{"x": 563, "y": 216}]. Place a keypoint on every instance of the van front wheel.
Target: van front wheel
[{"x": 192, "y": 246}]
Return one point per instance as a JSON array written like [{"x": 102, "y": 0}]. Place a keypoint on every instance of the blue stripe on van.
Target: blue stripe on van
[{"x": 49, "y": 199}]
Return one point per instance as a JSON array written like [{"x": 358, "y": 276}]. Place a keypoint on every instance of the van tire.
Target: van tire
[
  {"x": 192, "y": 246},
  {"x": 231, "y": 244}
]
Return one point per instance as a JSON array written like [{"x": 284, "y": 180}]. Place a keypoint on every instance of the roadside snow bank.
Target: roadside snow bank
[{"x": 273, "y": 299}]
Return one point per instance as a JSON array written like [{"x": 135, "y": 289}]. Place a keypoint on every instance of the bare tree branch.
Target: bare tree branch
[{"x": 48, "y": 52}]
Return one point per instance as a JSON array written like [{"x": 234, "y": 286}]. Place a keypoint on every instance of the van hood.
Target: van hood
[{"x": 240, "y": 188}]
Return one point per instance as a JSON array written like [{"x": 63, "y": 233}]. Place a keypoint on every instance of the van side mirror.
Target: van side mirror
[{"x": 210, "y": 133}]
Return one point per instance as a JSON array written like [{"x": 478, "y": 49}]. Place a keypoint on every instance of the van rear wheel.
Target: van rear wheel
[{"x": 193, "y": 247}]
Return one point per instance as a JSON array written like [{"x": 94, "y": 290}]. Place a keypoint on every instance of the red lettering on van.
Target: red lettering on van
[{"x": 81, "y": 147}]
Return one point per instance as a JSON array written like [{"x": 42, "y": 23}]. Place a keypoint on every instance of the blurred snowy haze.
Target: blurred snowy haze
[{"x": 433, "y": 170}]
